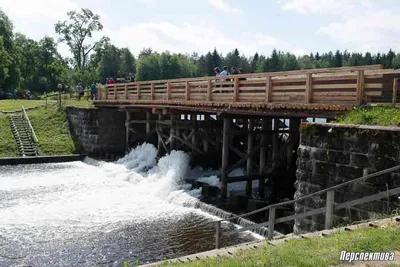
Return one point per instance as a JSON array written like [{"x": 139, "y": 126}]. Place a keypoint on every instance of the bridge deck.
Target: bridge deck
[{"x": 325, "y": 92}]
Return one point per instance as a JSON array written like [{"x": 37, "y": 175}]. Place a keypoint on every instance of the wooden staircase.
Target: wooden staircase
[{"x": 23, "y": 136}]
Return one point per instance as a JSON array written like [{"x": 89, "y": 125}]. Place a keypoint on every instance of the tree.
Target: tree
[
  {"x": 76, "y": 31},
  {"x": 337, "y": 60},
  {"x": 148, "y": 68},
  {"x": 289, "y": 62},
  {"x": 396, "y": 61},
  {"x": 110, "y": 62},
  {"x": 275, "y": 62},
  {"x": 127, "y": 66},
  {"x": 254, "y": 62}
]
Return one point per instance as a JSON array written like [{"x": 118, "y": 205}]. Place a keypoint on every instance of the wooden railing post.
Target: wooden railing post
[
  {"x": 395, "y": 86},
  {"x": 309, "y": 88},
  {"x": 187, "y": 91},
  {"x": 106, "y": 92},
  {"x": 236, "y": 89},
  {"x": 115, "y": 93},
  {"x": 330, "y": 200},
  {"x": 218, "y": 235},
  {"x": 209, "y": 90},
  {"x": 168, "y": 90},
  {"x": 126, "y": 91},
  {"x": 268, "y": 90},
  {"x": 271, "y": 223},
  {"x": 138, "y": 91},
  {"x": 153, "y": 91},
  {"x": 360, "y": 87}
]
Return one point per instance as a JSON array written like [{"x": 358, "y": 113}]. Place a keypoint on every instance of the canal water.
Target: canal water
[{"x": 93, "y": 213}]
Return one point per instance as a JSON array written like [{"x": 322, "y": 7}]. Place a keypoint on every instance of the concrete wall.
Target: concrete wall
[
  {"x": 330, "y": 154},
  {"x": 99, "y": 131}
]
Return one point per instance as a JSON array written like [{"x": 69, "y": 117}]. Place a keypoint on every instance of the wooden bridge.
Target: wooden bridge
[
  {"x": 241, "y": 120},
  {"x": 325, "y": 93}
]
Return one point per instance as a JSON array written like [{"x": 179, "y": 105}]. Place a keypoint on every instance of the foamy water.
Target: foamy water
[{"x": 76, "y": 214}]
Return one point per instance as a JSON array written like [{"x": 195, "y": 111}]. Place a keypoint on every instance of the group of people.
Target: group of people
[
  {"x": 110, "y": 80},
  {"x": 225, "y": 72},
  {"x": 80, "y": 89}
]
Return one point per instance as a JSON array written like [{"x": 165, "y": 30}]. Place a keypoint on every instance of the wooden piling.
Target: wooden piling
[
  {"x": 249, "y": 167},
  {"x": 266, "y": 125},
  {"x": 172, "y": 132},
  {"x": 225, "y": 158},
  {"x": 205, "y": 141},
  {"x": 127, "y": 124},
  {"x": 148, "y": 125},
  {"x": 158, "y": 128}
]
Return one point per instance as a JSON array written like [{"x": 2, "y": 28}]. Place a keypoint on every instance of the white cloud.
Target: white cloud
[
  {"x": 371, "y": 31},
  {"x": 336, "y": 7},
  {"x": 187, "y": 38},
  {"x": 224, "y": 6}
]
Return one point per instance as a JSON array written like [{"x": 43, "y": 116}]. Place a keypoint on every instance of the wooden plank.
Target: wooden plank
[
  {"x": 328, "y": 94},
  {"x": 373, "y": 85},
  {"x": 395, "y": 88},
  {"x": 360, "y": 87},
  {"x": 330, "y": 201},
  {"x": 289, "y": 87},
  {"x": 271, "y": 223},
  {"x": 335, "y": 86},
  {"x": 335, "y": 78},
  {"x": 308, "y": 97},
  {"x": 126, "y": 91},
  {"x": 115, "y": 93},
  {"x": 373, "y": 93},
  {"x": 225, "y": 158}
]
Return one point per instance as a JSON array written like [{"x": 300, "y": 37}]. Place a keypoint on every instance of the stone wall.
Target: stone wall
[
  {"x": 330, "y": 154},
  {"x": 99, "y": 131}
]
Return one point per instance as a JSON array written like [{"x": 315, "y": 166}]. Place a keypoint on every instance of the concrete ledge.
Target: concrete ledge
[{"x": 41, "y": 159}]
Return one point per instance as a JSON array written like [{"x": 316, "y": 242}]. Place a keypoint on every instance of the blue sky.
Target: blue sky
[{"x": 297, "y": 26}]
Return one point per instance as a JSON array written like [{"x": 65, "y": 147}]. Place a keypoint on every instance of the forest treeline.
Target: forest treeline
[{"x": 38, "y": 66}]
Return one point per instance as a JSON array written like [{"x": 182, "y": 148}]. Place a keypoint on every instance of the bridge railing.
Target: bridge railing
[
  {"x": 328, "y": 209},
  {"x": 344, "y": 86}
]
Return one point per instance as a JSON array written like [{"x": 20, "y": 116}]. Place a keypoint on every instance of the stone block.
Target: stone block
[
  {"x": 325, "y": 168},
  {"x": 319, "y": 154},
  {"x": 303, "y": 176},
  {"x": 338, "y": 157},
  {"x": 320, "y": 179},
  {"x": 303, "y": 152},
  {"x": 304, "y": 165},
  {"x": 383, "y": 148},
  {"x": 349, "y": 172},
  {"x": 381, "y": 163},
  {"x": 359, "y": 160},
  {"x": 304, "y": 188}
]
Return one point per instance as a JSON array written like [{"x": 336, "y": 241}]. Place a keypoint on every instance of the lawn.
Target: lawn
[
  {"x": 8, "y": 146},
  {"x": 309, "y": 252},
  {"x": 52, "y": 129},
  {"x": 381, "y": 115},
  {"x": 8, "y": 105}
]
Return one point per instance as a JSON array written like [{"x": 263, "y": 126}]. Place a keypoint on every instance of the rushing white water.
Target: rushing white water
[{"x": 73, "y": 201}]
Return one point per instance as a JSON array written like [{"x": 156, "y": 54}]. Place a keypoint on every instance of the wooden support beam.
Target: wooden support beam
[
  {"x": 360, "y": 87},
  {"x": 153, "y": 91},
  {"x": 205, "y": 131},
  {"x": 275, "y": 142},
  {"x": 225, "y": 158},
  {"x": 268, "y": 90},
  {"x": 160, "y": 141},
  {"x": 194, "y": 141},
  {"x": 249, "y": 184},
  {"x": 209, "y": 90},
  {"x": 190, "y": 145},
  {"x": 266, "y": 125},
  {"x": 115, "y": 92},
  {"x": 148, "y": 123},
  {"x": 172, "y": 132},
  {"x": 126, "y": 91},
  {"x": 242, "y": 160},
  {"x": 168, "y": 91},
  {"x": 128, "y": 118},
  {"x": 236, "y": 89},
  {"x": 138, "y": 91},
  {"x": 309, "y": 88},
  {"x": 187, "y": 91}
]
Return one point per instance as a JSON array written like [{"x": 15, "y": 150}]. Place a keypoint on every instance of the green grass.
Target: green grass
[
  {"x": 381, "y": 115},
  {"x": 309, "y": 252},
  {"x": 8, "y": 146},
  {"x": 7, "y": 105},
  {"x": 52, "y": 129},
  {"x": 83, "y": 103}
]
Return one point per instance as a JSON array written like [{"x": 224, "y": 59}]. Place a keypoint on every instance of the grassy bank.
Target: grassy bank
[
  {"x": 8, "y": 146},
  {"x": 8, "y": 105},
  {"x": 381, "y": 115},
  {"x": 310, "y": 252},
  {"x": 52, "y": 129}
]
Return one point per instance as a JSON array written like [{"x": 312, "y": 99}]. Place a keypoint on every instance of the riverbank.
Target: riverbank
[
  {"x": 321, "y": 250},
  {"x": 50, "y": 124}
]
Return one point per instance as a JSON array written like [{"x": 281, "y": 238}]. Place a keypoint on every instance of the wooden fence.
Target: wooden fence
[{"x": 344, "y": 86}]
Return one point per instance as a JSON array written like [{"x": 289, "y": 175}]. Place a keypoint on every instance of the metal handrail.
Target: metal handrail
[
  {"x": 34, "y": 137},
  {"x": 328, "y": 209}
]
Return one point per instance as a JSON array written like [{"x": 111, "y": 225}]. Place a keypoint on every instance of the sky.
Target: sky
[{"x": 296, "y": 26}]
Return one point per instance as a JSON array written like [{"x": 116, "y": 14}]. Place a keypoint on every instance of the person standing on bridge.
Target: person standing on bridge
[{"x": 93, "y": 91}]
